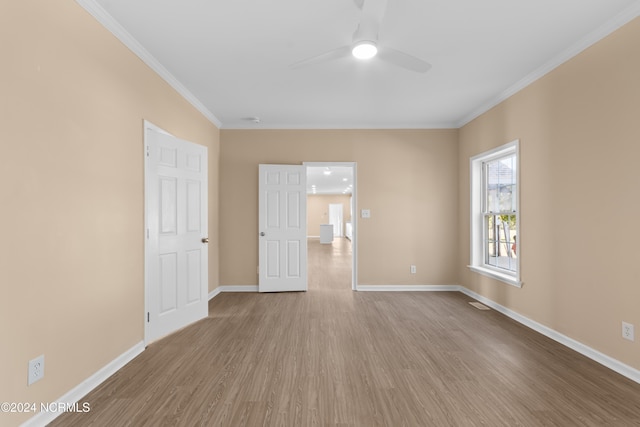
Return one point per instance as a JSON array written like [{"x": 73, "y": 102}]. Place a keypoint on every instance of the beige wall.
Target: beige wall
[
  {"x": 318, "y": 211},
  {"x": 408, "y": 178},
  {"x": 71, "y": 172},
  {"x": 579, "y": 145}
]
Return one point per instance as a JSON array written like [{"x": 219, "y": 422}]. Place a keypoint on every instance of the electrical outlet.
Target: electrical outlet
[
  {"x": 413, "y": 269},
  {"x": 36, "y": 369},
  {"x": 627, "y": 331},
  {"x": 365, "y": 213}
]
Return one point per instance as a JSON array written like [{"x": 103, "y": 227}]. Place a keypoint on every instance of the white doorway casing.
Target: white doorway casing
[
  {"x": 176, "y": 232},
  {"x": 354, "y": 210}
]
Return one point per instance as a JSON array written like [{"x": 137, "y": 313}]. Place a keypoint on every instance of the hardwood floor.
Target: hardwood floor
[
  {"x": 329, "y": 265},
  {"x": 332, "y": 356}
]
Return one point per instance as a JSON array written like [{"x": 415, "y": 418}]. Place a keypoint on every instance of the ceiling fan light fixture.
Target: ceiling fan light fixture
[{"x": 364, "y": 49}]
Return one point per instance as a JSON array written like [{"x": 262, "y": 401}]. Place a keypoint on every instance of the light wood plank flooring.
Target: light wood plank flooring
[
  {"x": 331, "y": 356},
  {"x": 329, "y": 265}
]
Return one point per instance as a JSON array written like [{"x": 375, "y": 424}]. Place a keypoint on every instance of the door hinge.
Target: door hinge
[
  {"x": 147, "y": 151},
  {"x": 147, "y": 317},
  {"x": 147, "y": 233}
]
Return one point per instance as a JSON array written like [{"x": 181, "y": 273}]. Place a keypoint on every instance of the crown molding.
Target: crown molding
[
  {"x": 104, "y": 18},
  {"x": 364, "y": 126},
  {"x": 592, "y": 38}
]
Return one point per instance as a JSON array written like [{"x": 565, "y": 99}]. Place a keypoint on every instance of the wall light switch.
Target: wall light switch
[{"x": 365, "y": 213}]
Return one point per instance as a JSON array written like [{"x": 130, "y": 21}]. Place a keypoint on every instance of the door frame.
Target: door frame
[{"x": 354, "y": 217}]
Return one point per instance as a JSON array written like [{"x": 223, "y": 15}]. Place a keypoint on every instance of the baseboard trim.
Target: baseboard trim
[
  {"x": 408, "y": 288},
  {"x": 82, "y": 389},
  {"x": 608, "y": 361},
  {"x": 214, "y": 293},
  {"x": 243, "y": 288}
]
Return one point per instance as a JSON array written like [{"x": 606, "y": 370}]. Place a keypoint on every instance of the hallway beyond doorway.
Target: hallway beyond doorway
[{"x": 329, "y": 264}]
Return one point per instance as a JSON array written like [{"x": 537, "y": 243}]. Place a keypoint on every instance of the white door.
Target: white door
[
  {"x": 176, "y": 267},
  {"x": 335, "y": 218},
  {"x": 282, "y": 228}
]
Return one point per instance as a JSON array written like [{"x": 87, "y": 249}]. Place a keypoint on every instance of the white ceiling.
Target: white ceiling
[
  {"x": 232, "y": 58},
  {"x": 338, "y": 181}
]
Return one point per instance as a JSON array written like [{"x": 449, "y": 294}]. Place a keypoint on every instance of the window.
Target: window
[{"x": 495, "y": 237}]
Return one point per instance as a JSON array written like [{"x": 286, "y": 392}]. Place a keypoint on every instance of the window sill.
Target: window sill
[{"x": 506, "y": 278}]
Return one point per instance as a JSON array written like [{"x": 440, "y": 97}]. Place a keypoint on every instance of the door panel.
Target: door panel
[
  {"x": 193, "y": 206},
  {"x": 194, "y": 294},
  {"x": 293, "y": 210},
  {"x": 168, "y": 205},
  {"x": 293, "y": 255},
  {"x": 176, "y": 258},
  {"x": 283, "y": 228},
  {"x": 168, "y": 282}
]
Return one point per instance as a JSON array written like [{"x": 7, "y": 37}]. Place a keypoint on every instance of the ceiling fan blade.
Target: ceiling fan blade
[
  {"x": 403, "y": 60},
  {"x": 340, "y": 52}
]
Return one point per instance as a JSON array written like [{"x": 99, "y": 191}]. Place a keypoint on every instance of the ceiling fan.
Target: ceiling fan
[{"x": 365, "y": 43}]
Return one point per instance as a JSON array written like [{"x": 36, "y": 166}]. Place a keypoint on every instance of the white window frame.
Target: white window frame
[{"x": 478, "y": 256}]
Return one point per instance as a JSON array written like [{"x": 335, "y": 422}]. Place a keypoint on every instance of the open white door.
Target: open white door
[
  {"x": 176, "y": 254},
  {"x": 335, "y": 218},
  {"x": 282, "y": 228}
]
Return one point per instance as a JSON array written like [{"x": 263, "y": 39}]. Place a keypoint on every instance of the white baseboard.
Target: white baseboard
[
  {"x": 243, "y": 288},
  {"x": 82, "y": 389},
  {"x": 214, "y": 293},
  {"x": 408, "y": 288},
  {"x": 364, "y": 288},
  {"x": 611, "y": 363}
]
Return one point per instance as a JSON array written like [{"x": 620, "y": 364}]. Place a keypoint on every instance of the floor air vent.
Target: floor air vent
[{"x": 479, "y": 306}]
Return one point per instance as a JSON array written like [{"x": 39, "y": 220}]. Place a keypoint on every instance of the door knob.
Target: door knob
[
  {"x": 205, "y": 240},
  {"x": 262, "y": 233}
]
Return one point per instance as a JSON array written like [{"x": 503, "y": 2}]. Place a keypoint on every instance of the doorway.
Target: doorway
[{"x": 333, "y": 183}]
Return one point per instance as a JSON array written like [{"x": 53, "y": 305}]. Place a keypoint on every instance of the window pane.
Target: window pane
[
  {"x": 490, "y": 246},
  {"x": 506, "y": 198},
  {"x": 500, "y": 192},
  {"x": 493, "y": 199},
  {"x": 500, "y": 241}
]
